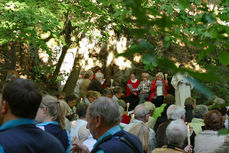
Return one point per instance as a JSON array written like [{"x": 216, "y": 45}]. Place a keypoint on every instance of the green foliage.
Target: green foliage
[
  {"x": 191, "y": 22},
  {"x": 25, "y": 21}
]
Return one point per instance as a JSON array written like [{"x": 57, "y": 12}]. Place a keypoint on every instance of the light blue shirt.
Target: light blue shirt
[
  {"x": 14, "y": 123},
  {"x": 112, "y": 131}
]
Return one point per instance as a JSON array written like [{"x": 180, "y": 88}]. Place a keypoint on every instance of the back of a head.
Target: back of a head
[
  {"x": 150, "y": 106},
  {"x": 219, "y": 107},
  {"x": 142, "y": 132},
  {"x": 81, "y": 110},
  {"x": 200, "y": 111},
  {"x": 83, "y": 133},
  {"x": 56, "y": 109},
  {"x": 169, "y": 99},
  {"x": 175, "y": 112},
  {"x": 107, "y": 92},
  {"x": 190, "y": 101},
  {"x": 90, "y": 73},
  {"x": 140, "y": 112},
  {"x": 213, "y": 120},
  {"x": 93, "y": 94},
  {"x": 176, "y": 133},
  {"x": 117, "y": 90},
  {"x": 107, "y": 109},
  {"x": 99, "y": 75},
  {"x": 23, "y": 98}
]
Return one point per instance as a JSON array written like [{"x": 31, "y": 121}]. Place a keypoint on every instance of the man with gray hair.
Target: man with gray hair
[
  {"x": 198, "y": 121},
  {"x": 151, "y": 107},
  {"x": 174, "y": 112},
  {"x": 176, "y": 133},
  {"x": 141, "y": 114},
  {"x": 103, "y": 117},
  {"x": 96, "y": 84}
]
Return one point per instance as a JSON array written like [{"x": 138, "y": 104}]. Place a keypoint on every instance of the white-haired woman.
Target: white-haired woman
[
  {"x": 144, "y": 88},
  {"x": 51, "y": 118},
  {"x": 159, "y": 89}
]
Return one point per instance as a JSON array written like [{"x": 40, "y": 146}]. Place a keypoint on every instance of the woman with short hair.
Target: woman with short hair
[{"x": 209, "y": 139}]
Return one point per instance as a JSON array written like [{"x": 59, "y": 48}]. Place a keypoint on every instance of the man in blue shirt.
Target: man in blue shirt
[
  {"x": 19, "y": 103},
  {"x": 103, "y": 117}
]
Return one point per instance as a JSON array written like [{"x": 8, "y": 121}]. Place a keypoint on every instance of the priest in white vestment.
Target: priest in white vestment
[{"x": 182, "y": 88}]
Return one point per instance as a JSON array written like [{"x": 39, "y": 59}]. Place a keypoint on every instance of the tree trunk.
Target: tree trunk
[
  {"x": 73, "y": 77},
  {"x": 67, "y": 32}
]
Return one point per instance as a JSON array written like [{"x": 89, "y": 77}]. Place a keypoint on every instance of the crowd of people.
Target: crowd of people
[{"x": 96, "y": 118}]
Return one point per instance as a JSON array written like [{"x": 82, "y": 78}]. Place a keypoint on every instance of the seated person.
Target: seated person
[
  {"x": 107, "y": 92},
  {"x": 91, "y": 96},
  {"x": 176, "y": 133},
  {"x": 72, "y": 102},
  {"x": 209, "y": 139},
  {"x": 117, "y": 93}
]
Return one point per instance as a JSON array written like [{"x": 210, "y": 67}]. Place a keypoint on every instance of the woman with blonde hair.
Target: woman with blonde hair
[
  {"x": 144, "y": 88},
  {"x": 51, "y": 118},
  {"x": 159, "y": 89},
  {"x": 142, "y": 132}
]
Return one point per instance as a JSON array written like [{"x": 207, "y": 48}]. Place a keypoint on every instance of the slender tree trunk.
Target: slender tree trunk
[
  {"x": 73, "y": 77},
  {"x": 67, "y": 32}
]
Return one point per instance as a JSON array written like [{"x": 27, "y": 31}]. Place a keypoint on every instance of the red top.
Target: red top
[
  {"x": 134, "y": 85},
  {"x": 125, "y": 119},
  {"x": 153, "y": 89}
]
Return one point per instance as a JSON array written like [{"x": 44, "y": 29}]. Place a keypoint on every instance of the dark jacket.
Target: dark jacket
[
  {"x": 95, "y": 85},
  {"x": 188, "y": 113},
  {"x": 119, "y": 143},
  {"x": 161, "y": 138},
  {"x": 29, "y": 139}
]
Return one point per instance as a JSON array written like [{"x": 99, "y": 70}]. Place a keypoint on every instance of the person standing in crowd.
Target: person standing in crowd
[
  {"x": 18, "y": 132},
  {"x": 132, "y": 97},
  {"x": 159, "y": 89},
  {"x": 81, "y": 112},
  {"x": 197, "y": 123},
  {"x": 117, "y": 94},
  {"x": 144, "y": 88},
  {"x": 209, "y": 139},
  {"x": 141, "y": 114},
  {"x": 51, "y": 118},
  {"x": 103, "y": 118},
  {"x": 190, "y": 104},
  {"x": 160, "y": 113},
  {"x": 96, "y": 84},
  {"x": 83, "y": 134},
  {"x": 176, "y": 133},
  {"x": 79, "y": 83},
  {"x": 85, "y": 83},
  {"x": 182, "y": 87}
]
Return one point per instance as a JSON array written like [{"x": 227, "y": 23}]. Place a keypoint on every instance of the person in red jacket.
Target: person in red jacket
[
  {"x": 132, "y": 97},
  {"x": 159, "y": 89}
]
